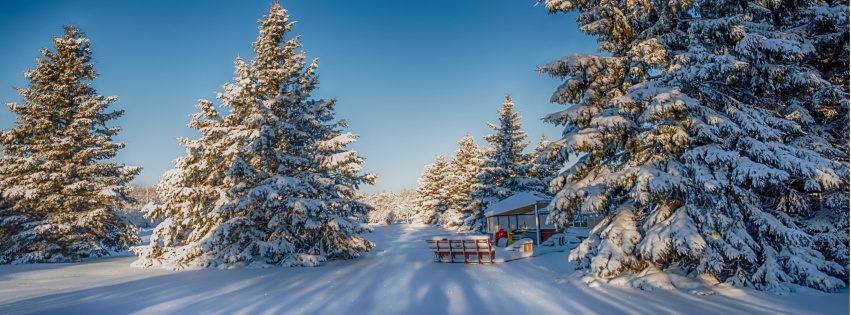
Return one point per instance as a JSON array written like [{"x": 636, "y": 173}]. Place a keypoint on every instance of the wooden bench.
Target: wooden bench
[{"x": 461, "y": 248}]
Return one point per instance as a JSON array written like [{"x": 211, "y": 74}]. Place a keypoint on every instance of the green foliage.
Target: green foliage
[
  {"x": 61, "y": 195},
  {"x": 271, "y": 182},
  {"x": 710, "y": 136}
]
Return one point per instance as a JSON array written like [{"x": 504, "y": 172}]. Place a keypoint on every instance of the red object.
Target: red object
[{"x": 498, "y": 235}]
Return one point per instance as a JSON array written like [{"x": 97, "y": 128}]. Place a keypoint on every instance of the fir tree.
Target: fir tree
[
  {"x": 285, "y": 180},
  {"x": 432, "y": 198},
  {"x": 545, "y": 169},
  {"x": 704, "y": 167},
  {"x": 192, "y": 196},
  {"x": 506, "y": 171},
  {"x": 462, "y": 176},
  {"x": 61, "y": 196},
  {"x": 827, "y": 115}
]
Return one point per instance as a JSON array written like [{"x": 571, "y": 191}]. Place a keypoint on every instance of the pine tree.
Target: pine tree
[
  {"x": 545, "y": 169},
  {"x": 61, "y": 196},
  {"x": 432, "y": 198},
  {"x": 704, "y": 167},
  {"x": 192, "y": 195},
  {"x": 506, "y": 171},
  {"x": 285, "y": 180},
  {"x": 462, "y": 175},
  {"x": 827, "y": 116}
]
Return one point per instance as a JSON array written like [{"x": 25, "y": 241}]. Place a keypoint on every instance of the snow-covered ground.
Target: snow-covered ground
[{"x": 398, "y": 277}]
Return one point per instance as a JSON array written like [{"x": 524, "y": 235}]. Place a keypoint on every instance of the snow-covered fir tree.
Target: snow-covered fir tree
[
  {"x": 191, "y": 195},
  {"x": 462, "y": 176},
  {"x": 545, "y": 169},
  {"x": 61, "y": 194},
  {"x": 697, "y": 143},
  {"x": 432, "y": 197},
  {"x": 273, "y": 182},
  {"x": 506, "y": 169},
  {"x": 828, "y": 32}
]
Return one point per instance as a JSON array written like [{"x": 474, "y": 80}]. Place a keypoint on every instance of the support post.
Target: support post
[{"x": 537, "y": 223}]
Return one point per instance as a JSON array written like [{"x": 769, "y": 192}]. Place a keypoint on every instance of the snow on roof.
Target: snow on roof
[{"x": 515, "y": 202}]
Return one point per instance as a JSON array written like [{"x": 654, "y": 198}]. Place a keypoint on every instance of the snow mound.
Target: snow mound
[{"x": 652, "y": 278}]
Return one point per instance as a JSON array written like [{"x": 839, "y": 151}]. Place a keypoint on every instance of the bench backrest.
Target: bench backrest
[
  {"x": 432, "y": 245},
  {"x": 462, "y": 244}
]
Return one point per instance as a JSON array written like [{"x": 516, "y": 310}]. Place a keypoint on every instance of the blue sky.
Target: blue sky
[{"x": 412, "y": 77}]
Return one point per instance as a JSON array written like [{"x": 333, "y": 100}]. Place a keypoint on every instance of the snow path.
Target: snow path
[{"x": 397, "y": 277}]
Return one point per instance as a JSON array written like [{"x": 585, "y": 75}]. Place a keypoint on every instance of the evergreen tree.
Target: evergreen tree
[
  {"x": 545, "y": 168},
  {"x": 61, "y": 196},
  {"x": 285, "y": 180},
  {"x": 406, "y": 205},
  {"x": 462, "y": 175},
  {"x": 506, "y": 171},
  {"x": 705, "y": 167},
  {"x": 827, "y": 115},
  {"x": 432, "y": 198},
  {"x": 383, "y": 206},
  {"x": 192, "y": 196},
  {"x": 388, "y": 207}
]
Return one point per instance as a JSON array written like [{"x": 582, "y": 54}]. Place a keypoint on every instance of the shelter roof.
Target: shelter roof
[{"x": 519, "y": 203}]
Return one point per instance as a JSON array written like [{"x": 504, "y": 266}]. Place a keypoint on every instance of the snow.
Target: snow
[
  {"x": 398, "y": 277},
  {"x": 518, "y": 200}
]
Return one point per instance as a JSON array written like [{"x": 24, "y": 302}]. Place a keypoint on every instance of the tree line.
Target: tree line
[{"x": 455, "y": 193}]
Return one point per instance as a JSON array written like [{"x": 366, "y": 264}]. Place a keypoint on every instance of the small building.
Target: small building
[
  {"x": 523, "y": 213},
  {"x": 586, "y": 220}
]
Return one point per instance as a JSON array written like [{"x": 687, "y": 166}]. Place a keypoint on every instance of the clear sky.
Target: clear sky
[{"x": 412, "y": 77}]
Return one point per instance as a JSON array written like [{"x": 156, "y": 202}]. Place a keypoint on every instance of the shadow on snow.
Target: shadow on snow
[{"x": 397, "y": 277}]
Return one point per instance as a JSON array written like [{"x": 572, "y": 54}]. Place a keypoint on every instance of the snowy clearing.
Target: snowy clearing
[{"x": 397, "y": 277}]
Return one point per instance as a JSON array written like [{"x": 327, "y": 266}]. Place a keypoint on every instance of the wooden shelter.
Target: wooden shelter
[{"x": 524, "y": 214}]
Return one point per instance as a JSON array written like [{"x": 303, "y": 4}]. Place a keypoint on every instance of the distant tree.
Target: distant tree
[
  {"x": 141, "y": 194},
  {"x": 283, "y": 188},
  {"x": 389, "y": 207},
  {"x": 383, "y": 206},
  {"x": 545, "y": 168},
  {"x": 432, "y": 192},
  {"x": 461, "y": 176},
  {"x": 406, "y": 205},
  {"x": 61, "y": 195},
  {"x": 506, "y": 171}
]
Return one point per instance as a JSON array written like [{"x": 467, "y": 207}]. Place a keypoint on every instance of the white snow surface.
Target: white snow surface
[{"x": 398, "y": 277}]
